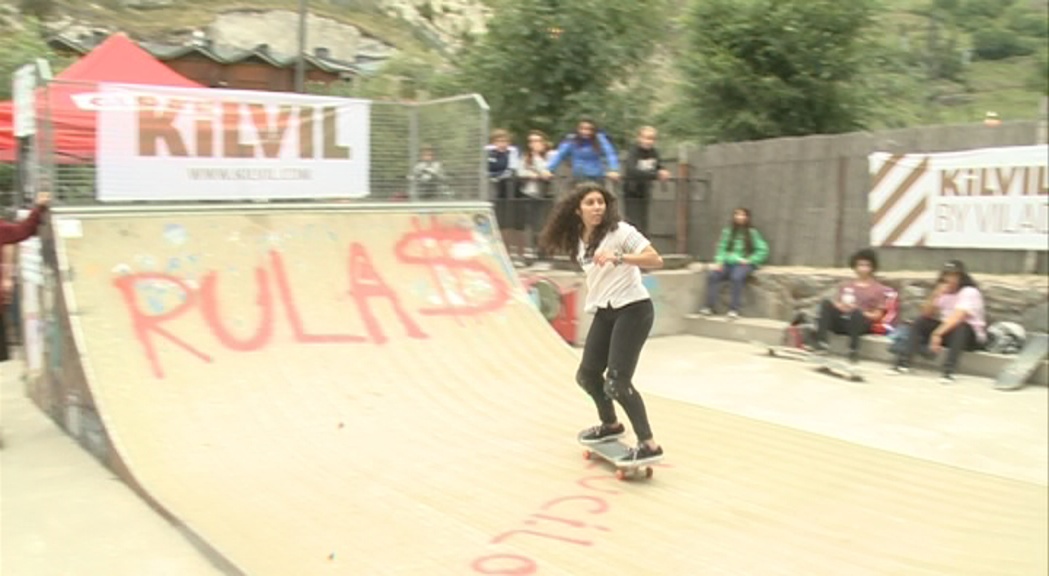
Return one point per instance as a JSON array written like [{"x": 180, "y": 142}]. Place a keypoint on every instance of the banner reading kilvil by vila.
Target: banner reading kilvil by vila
[{"x": 985, "y": 198}]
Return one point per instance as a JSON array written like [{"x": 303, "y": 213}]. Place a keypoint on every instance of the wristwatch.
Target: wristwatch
[{"x": 619, "y": 257}]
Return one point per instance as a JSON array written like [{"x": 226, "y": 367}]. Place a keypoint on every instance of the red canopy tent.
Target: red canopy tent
[{"x": 117, "y": 60}]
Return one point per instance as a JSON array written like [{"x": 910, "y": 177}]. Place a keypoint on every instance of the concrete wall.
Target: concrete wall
[
  {"x": 674, "y": 293},
  {"x": 777, "y": 293}
]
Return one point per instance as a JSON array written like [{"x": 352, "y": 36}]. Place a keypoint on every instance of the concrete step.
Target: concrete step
[{"x": 874, "y": 348}]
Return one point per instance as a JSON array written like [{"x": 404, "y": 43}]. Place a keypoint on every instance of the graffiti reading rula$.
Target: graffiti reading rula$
[
  {"x": 366, "y": 286},
  {"x": 434, "y": 247}
]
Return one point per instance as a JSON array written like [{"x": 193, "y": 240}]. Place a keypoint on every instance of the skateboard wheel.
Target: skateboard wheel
[
  {"x": 621, "y": 474},
  {"x": 649, "y": 472}
]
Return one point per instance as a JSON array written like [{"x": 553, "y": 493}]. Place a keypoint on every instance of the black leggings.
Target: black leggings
[
  {"x": 961, "y": 337},
  {"x": 614, "y": 342},
  {"x": 853, "y": 324}
]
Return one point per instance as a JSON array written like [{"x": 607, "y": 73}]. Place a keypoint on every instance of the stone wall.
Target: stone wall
[{"x": 781, "y": 292}]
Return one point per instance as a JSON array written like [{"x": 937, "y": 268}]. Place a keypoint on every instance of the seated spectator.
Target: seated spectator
[
  {"x": 740, "y": 251},
  {"x": 859, "y": 306},
  {"x": 952, "y": 318},
  {"x": 643, "y": 167}
]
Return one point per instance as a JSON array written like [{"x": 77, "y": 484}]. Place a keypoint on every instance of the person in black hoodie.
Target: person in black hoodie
[{"x": 643, "y": 166}]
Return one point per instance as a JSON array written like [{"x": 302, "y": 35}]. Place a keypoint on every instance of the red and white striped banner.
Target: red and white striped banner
[{"x": 985, "y": 198}]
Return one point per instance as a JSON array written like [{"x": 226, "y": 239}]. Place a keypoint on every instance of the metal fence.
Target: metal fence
[{"x": 418, "y": 151}]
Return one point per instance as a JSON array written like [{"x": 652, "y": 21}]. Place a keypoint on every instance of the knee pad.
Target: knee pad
[
  {"x": 617, "y": 388},
  {"x": 589, "y": 381}
]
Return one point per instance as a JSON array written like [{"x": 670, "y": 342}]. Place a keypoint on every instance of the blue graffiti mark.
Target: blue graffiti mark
[
  {"x": 176, "y": 234},
  {"x": 156, "y": 305},
  {"x": 174, "y": 264}
]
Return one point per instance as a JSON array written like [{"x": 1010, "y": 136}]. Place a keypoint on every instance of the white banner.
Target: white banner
[
  {"x": 23, "y": 93},
  {"x": 986, "y": 198},
  {"x": 158, "y": 143}
]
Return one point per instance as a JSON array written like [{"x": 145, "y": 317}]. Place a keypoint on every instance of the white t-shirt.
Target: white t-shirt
[{"x": 611, "y": 285}]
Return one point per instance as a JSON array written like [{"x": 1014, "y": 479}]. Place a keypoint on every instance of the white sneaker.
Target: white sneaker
[
  {"x": 947, "y": 379},
  {"x": 732, "y": 315},
  {"x": 706, "y": 311},
  {"x": 898, "y": 371}
]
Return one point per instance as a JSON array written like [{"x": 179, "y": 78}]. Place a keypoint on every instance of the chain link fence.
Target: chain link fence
[{"x": 418, "y": 151}]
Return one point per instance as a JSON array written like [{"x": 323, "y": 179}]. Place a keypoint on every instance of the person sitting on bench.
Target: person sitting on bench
[
  {"x": 952, "y": 317},
  {"x": 858, "y": 307}
]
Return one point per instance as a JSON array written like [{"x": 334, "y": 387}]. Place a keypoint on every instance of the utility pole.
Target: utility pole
[{"x": 300, "y": 65}]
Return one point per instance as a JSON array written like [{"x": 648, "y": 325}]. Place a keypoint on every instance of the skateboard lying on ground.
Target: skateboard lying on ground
[
  {"x": 612, "y": 451},
  {"x": 1019, "y": 370},
  {"x": 840, "y": 368},
  {"x": 825, "y": 362}
]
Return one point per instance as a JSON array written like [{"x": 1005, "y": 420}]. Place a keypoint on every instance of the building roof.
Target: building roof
[{"x": 224, "y": 54}]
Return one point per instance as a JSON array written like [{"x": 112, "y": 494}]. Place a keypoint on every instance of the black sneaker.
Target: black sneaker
[
  {"x": 642, "y": 454},
  {"x": 821, "y": 347},
  {"x": 947, "y": 378},
  {"x": 854, "y": 356},
  {"x": 602, "y": 433}
]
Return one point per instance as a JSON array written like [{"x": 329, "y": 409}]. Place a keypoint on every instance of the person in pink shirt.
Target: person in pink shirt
[{"x": 952, "y": 319}]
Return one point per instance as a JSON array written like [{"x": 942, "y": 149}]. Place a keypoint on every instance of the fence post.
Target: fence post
[
  {"x": 1042, "y": 137},
  {"x": 483, "y": 160},
  {"x": 683, "y": 194}
]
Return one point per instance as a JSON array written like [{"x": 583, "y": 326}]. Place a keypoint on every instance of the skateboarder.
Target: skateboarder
[
  {"x": 586, "y": 225},
  {"x": 952, "y": 318}
]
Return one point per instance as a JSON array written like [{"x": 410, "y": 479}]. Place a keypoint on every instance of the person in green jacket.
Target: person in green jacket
[{"x": 740, "y": 250}]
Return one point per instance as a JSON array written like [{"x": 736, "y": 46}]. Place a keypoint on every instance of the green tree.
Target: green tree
[
  {"x": 17, "y": 48},
  {"x": 543, "y": 63},
  {"x": 759, "y": 69}
]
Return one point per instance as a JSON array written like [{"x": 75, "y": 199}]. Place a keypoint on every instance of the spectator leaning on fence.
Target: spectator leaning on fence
[
  {"x": 503, "y": 161},
  {"x": 952, "y": 319},
  {"x": 740, "y": 251},
  {"x": 591, "y": 152},
  {"x": 427, "y": 177},
  {"x": 643, "y": 166},
  {"x": 535, "y": 189}
]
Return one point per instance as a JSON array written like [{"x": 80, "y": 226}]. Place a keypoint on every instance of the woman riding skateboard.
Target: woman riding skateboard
[{"x": 586, "y": 225}]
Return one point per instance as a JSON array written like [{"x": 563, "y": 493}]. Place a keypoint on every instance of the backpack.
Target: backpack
[
  {"x": 1006, "y": 338},
  {"x": 887, "y": 325}
]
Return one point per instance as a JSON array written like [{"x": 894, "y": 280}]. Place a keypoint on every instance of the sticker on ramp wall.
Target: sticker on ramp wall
[{"x": 68, "y": 228}]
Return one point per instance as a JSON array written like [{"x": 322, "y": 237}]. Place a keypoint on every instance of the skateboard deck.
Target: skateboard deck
[
  {"x": 784, "y": 351},
  {"x": 1019, "y": 370},
  {"x": 840, "y": 369},
  {"x": 611, "y": 451}
]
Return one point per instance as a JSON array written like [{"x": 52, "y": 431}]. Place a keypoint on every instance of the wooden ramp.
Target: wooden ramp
[{"x": 367, "y": 391}]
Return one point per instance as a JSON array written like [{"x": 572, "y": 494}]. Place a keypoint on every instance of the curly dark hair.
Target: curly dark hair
[
  {"x": 867, "y": 255},
  {"x": 564, "y": 227}
]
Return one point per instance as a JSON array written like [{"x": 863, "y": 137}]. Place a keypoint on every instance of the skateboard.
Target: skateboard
[
  {"x": 1019, "y": 370},
  {"x": 840, "y": 369},
  {"x": 825, "y": 363},
  {"x": 611, "y": 451}
]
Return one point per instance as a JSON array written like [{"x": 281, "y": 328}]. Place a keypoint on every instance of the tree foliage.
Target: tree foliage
[
  {"x": 543, "y": 63},
  {"x": 759, "y": 69}
]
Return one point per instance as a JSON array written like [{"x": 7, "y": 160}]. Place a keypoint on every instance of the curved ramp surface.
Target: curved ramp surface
[{"x": 320, "y": 390}]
